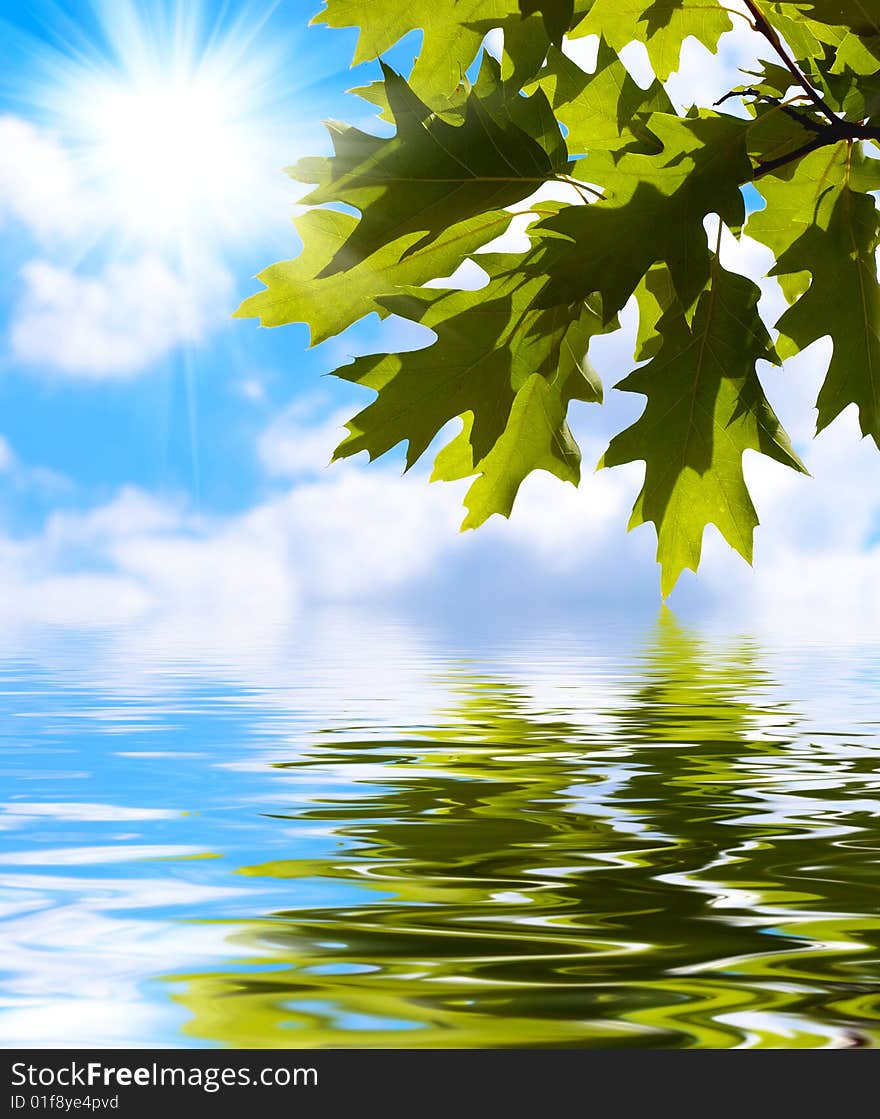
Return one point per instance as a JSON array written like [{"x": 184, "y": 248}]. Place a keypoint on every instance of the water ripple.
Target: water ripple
[{"x": 376, "y": 842}]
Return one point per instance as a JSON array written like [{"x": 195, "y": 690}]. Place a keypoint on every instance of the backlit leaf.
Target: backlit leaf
[
  {"x": 705, "y": 408},
  {"x": 644, "y": 175},
  {"x": 662, "y": 25},
  {"x": 434, "y": 173}
]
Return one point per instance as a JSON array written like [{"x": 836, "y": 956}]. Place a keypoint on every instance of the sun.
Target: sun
[
  {"x": 175, "y": 121},
  {"x": 172, "y": 153}
]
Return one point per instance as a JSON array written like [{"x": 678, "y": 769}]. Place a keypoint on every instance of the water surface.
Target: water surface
[{"x": 365, "y": 834}]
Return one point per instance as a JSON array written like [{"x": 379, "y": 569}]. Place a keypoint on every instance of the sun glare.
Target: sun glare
[
  {"x": 171, "y": 154},
  {"x": 171, "y": 124}
]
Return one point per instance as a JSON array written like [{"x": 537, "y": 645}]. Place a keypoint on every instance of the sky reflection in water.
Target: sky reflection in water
[{"x": 367, "y": 834}]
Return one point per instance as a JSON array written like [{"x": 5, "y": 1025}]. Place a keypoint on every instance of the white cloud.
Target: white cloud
[
  {"x": 121, "y": 316},
  {"x": 137, "y": 558},
  {"x": 352, "y": 533},
  {"x": 39, "y": 185},
  {"x": 567, "y": 529},
  {"x": 494, "y": 42},
  {"x": 817, "y": 549},
  {"x": 363, "y": 535},
  {"x": 117, "y": 322},
  {"x": 36, "y": 479},
  {"x": 635, "y": 58},
  {"x": 252, "y": 389},
  {"x": 294, "y": 444}
]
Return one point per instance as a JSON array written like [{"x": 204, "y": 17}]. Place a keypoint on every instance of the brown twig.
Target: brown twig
[
  {"x": 829, "y": 134},
  {"x": 770, "y": 33},
  {"x": 783, "y": 106}
]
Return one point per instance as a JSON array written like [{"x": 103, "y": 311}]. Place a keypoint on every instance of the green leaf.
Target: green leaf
[
  {"x": 792, "y": 196},
  {"x": 656, "y": 298},
  {"x": 496, "y": 94},
  {"x": 858, "y": 16},
  {"x": 854, "y": 80},
  {"x": 537, "y": 436},
  {"x": 705, "y": 408},
  {"x": 526, "y": 42},
  {"x": 453, "y": 31},
  {"x": 822, "y": 224},
  {"x": 846, "y": 307},
  {"x": 605, "y": 109},
  {"x": 433, "y": 174},
  {"x": 296, "y": 290},
  {"x": 509, "y": 359},
  {"x": 558, "y": 15},
  {"x": 842, "y": 301},
  {"x": 653, "y": 212},
  {"x": 662, "y": 26},
  {"x": 772, "y": 78},
  {"x": 778, "y": 128},
  {"x": 807, "y": 38},
  {"x": 489, "y": 342}
]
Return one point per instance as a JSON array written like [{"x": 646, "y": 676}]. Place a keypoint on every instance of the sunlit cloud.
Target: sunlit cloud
[
  {"x": 176, "y": 119},
  {"x": 147, "y": 150},
  {"x": 118, "y": 321},
  {"x": 39, "y": 186}
]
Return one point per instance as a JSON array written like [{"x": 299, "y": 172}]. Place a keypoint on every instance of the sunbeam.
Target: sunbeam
[{"x": 174, "y": 116}]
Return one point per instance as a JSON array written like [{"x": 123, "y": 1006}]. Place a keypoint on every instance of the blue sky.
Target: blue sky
[
  {"x": 184, "y": 418},
  {"x": 158, "y": 456}
]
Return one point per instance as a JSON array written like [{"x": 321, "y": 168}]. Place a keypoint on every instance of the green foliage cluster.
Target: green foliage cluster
[{"x": 510, "y": 357}]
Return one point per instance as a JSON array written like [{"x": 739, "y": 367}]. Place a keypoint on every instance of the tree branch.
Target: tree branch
[
  {"x": 771, "y": 35},
  {"x": 828, "y": 134},
  {"x": 789, "y": 110},
  {"x": 774, "y": 164}
]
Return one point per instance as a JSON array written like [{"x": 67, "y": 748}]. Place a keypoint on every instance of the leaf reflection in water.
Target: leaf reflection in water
[{"x": 679, "y": 863}]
